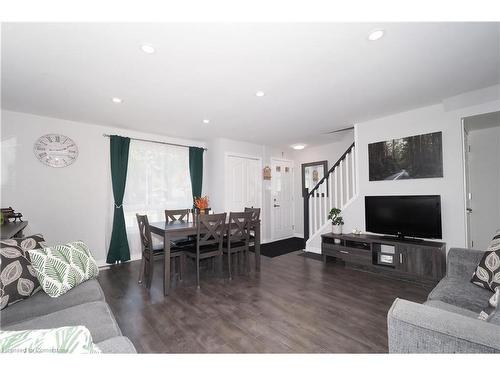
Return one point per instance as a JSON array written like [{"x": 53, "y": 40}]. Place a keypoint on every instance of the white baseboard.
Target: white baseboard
[
  {"x": 312, "y": 249},
  {"x": 299, "y": 235},
  {"x": 102, "y": 262}
]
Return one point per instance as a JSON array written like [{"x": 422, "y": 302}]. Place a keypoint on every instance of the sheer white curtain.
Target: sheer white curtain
[{"x": 157, "y": 179}]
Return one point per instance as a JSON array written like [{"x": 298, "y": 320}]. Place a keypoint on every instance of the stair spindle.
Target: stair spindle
[
  {"x": 316, "y": 205},
  {"x": 311, "y": 231},
  {"x": 330, "y": 192},
  {"x": 354, "y": 180},
  {"x": 341, "y": 184},
  {"x": 336, "y": 186},
  {"x": 347, "y": 177}
]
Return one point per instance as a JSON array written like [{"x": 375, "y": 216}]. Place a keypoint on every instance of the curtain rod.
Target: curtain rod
[{"x": 163, "y": 143}]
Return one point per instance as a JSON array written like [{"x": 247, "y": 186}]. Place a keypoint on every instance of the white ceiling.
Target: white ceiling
[{"x": 316, "y": 77}]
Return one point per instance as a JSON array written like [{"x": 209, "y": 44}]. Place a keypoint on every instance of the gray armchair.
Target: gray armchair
[{"x": 447, "y": 322}]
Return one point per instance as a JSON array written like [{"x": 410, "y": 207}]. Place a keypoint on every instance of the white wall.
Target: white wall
[
  {"x": 484, "y": 161},
  {"x": 218, "y": 148},
  {"x": 450, "y": 187},
  {"x": 65, "y": 204},
  {"x": 330, "y": 152}
]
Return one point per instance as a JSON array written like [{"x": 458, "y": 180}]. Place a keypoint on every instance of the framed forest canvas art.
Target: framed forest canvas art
[{"x": 419, "y": 156}]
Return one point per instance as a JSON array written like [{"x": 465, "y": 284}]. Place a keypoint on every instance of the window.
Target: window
[{"x": 157, "y": 179}]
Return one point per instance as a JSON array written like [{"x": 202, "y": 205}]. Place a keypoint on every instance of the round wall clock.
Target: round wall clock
[{"x": 55, "y": 150}]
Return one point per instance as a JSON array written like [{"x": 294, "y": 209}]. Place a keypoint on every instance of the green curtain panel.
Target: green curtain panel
[
  {"x": 118, "y": 247},
  {"x": 196, "y": 170}
]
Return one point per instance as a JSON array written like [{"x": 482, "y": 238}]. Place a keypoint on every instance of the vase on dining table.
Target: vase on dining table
[{"x": 201, "y": 211}]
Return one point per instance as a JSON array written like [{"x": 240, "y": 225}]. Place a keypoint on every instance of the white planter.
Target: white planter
[{"x": 337, "y": 229}]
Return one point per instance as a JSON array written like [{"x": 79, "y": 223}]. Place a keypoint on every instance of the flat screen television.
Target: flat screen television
[{"x": 404, "y": 215}]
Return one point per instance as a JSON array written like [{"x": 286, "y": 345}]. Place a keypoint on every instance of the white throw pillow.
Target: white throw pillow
[{"x": 62, "y": 267}]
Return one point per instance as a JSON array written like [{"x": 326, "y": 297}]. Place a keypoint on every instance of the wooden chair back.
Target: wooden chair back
[
  {"x": 178, "y": 215},
  {"x": 211, "y": 230},
  {"x": 239, "y": 227},
  {"x": 144, "y": 233},
  {"x": 255, "y": 212}
]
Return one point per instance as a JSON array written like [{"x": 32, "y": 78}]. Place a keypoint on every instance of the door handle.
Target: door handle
[
  {"x": 469, "y": 210},
  {"x": 344, "y": 252},
  {"x": 401, "y": 258},
  {"x": 276, "y": 205}
]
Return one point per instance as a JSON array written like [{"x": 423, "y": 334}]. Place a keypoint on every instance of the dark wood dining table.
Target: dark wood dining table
[{"x": 175, "y": 229}]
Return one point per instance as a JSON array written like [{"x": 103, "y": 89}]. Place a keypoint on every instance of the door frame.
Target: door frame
[
  {"x": 465, "y": 178},
  {"x": 227, "y": 155},
  {"x": 271, "y": 234}
]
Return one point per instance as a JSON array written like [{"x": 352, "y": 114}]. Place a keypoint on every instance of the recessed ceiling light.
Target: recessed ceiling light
[
  {"x": 299, "y": 147},
  {"x": 206, "y": 121},
  {"x": 376, "y": 35},
  {"x": 148, "y": 48},
  {"x": 117, "y": 100},
  {"x": 259, "y": 93}
]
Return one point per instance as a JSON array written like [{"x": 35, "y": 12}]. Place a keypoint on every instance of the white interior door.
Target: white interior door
[
  {"x": 482, "y": 178},
  {"x": 282, "y": 213},
  {"x": 243, "y": 182}
]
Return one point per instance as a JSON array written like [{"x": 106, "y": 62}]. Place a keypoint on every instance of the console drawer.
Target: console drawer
[
  {"x": 347, "y": 254},
  {"x": 346, "y": 250},
  {"x": 352, "y": 256}
]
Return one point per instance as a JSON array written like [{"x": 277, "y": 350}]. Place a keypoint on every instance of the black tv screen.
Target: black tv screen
[{"x": 404, "y": 215}]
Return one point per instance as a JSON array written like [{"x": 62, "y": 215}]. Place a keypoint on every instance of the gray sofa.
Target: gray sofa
[
  {"x": 448, "y": 321},
  {"x": 82, "y": 305}
]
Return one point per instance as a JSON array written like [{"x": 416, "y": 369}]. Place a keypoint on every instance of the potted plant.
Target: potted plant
[{"x": 337, "y": 220}]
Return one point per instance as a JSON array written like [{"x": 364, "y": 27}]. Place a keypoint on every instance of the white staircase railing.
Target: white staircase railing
[{"x": 336, "y": 189}]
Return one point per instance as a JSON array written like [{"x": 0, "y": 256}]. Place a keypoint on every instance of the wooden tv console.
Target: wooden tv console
[{"x": 414, "y": 260}]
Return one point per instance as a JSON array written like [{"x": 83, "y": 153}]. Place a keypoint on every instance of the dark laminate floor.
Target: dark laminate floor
[{"x": 295, "y": 305}]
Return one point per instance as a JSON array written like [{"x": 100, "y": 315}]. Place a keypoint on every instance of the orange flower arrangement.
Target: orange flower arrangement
[{"x": 201, "y": 203}]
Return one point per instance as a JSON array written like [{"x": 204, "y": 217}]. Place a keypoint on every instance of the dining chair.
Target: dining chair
[
  {"x": 178, "y": 215},
  {"x": 151, "y": 252},
  {"x": 209, "y": 241},
  {"x": 255, "y": 218},
  {"x": 238, "y": 238},
  {"x": 181, "y": 216}
]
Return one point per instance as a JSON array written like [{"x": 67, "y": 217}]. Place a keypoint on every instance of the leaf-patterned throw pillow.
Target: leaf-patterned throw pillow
[
  {"x": 487, "y": 274},
  {"x": 18, "y": 278},
  {"x": 62, "y": 267},
  {"x": 56, "y": 340}
]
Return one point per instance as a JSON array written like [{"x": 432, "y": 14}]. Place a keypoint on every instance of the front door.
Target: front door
[{"x": 282, "y": 199}]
